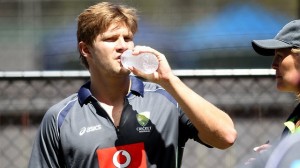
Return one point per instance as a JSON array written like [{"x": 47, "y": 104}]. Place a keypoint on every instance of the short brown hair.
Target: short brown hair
[{"x": 97, "y": 18}]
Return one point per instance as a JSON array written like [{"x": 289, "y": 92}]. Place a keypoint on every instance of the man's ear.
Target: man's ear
[{"x": 84, "y": 49}]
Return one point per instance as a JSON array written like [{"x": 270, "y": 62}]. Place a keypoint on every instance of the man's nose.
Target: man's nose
[
  {"x": 121, "y": 43},
  {"x": 275, "y": 63}
]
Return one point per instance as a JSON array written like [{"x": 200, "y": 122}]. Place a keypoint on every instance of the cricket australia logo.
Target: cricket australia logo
[{"x": 143, "y": 119}]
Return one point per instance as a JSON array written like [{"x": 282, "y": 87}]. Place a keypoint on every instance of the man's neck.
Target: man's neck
[{"x": 110, "y": 91}]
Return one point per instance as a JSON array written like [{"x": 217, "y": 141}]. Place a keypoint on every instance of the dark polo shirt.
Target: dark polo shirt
[{"x": 77, "y": 132}]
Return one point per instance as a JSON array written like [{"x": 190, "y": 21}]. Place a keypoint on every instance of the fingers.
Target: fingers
[
  {"x": 139, "y": 73},
  {"x": 258, "y": 149},
  {"x": 249, "y": 161},
  {"x": 262, "y": 148},
  {"x": 164, "y": 71},
  {"x": 141, "y": 49},
  {"x": 135, "y": 71}
]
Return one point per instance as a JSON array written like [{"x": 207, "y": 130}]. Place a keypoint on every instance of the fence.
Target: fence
[{"x": 249, "y": 96}]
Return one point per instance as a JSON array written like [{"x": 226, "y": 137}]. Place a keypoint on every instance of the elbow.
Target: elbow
[
  {"x": 220, "y": 140},
  {"x": 229, "y": 139}
]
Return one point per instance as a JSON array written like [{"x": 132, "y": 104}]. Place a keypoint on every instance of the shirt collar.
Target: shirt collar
[
  {"x": 84, "y": 93},
  {"x": 137, "y": 86}
]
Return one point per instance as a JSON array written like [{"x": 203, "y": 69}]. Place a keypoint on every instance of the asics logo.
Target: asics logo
[{"x": 84, "y": 130}]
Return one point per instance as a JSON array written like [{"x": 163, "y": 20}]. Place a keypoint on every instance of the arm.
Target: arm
[
  {"x": 215, "y": 127},
  {"x": 45, "y": 151}
]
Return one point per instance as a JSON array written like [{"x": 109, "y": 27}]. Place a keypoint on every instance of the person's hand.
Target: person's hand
[
  {"x": 163, "y": 73},
  {"x": 262, "y": 148},
  {"x": 259, "y": 149}
]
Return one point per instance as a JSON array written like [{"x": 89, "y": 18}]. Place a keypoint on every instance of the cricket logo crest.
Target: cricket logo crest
[{"x": 143, "y": 119}]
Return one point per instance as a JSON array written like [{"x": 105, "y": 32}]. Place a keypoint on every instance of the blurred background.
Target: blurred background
[
  {"x": 39, "y": 66},
  {"x": 193, "y": 34}
]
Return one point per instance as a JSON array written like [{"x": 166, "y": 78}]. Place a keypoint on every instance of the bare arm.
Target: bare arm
[{"x": 215, "y": 127}]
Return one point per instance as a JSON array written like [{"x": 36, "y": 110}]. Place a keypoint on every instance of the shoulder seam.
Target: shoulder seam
[
  {"x": 63, "y": 113},
  {"x": 163, "y": 92}
]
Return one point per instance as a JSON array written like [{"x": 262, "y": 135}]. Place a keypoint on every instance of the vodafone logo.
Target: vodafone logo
[{"x": 123, "y": 157}]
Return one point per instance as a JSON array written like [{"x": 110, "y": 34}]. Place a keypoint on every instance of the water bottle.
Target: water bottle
[{"x": 145, "y": 62}]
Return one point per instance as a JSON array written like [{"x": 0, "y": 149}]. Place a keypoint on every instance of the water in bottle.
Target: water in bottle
[{"x": 145, "y": 62}]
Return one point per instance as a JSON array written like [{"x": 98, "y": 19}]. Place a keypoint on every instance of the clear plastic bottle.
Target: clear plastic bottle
[{"x": 145, "y": 62}]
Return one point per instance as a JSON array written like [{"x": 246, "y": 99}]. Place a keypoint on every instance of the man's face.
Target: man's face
[{"x": 107, "y": 49}]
